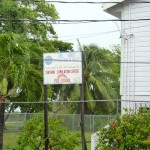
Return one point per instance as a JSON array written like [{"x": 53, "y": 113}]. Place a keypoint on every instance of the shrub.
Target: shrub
[
  {"x": 130, "y": 131},
  {"x": 32, "y": 135}
]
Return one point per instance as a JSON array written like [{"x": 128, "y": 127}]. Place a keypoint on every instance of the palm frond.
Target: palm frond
[{"x": 102, "y": 90}]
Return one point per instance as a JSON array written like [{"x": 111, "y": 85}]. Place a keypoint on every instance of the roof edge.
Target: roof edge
[{"x": 109, "y": 5}]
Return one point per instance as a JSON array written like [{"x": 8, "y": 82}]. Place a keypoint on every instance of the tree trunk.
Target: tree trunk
[{"x": 2, "y": 110}]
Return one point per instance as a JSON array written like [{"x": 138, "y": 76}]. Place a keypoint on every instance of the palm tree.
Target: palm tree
[
  {"x": 16, "y": 71},
  {"x": 21, "y": 69},
  {"x": 98, "y": 78},
  {"x": 101, "y": 80}
]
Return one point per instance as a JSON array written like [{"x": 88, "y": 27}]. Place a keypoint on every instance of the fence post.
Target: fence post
[
  {"x": 73, "y": 122},
  {"x": 90, "y": 122},
  {"x": 117, "y": 106},
  {"x": 93, "y": 124}
]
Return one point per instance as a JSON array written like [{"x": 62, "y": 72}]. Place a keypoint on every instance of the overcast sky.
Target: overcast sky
[{"x": 87, "y": 33}]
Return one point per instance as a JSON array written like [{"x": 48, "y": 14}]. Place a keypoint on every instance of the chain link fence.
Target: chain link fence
[
  {"x": 15, "y": 120},
  {"x": 93, "y": 123}
]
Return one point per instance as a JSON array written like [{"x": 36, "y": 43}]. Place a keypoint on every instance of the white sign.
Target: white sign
[{"x": 62, "y": 68}]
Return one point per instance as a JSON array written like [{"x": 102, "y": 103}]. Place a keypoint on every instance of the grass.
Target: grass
[
  {"x": 88, "y": 139},
  {"x": 10, "y": 140},
  {"x": 14, "y": 125},
  {"x": 80, "y": 147},
  {"x": 11, "y": 134}
]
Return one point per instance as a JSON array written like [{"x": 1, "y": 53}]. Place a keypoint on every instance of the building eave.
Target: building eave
[{"x": 109, "y": 5}]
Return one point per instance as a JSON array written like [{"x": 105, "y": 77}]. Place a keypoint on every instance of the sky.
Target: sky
[{"x": 103, "y": 34}]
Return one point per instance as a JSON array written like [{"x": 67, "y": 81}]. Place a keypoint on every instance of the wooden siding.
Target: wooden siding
[{"x": 135, "y": 75}]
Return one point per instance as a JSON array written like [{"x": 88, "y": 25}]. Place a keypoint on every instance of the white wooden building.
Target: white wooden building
[
  {"x": 135, "y": 43},
  {"x": 135, "y": 73}
]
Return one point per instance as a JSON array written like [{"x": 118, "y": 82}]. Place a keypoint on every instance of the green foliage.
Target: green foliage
[
  {"x": 22, "y": 44},
  {"x": 21, "y": 67},
  {"x": 99, "y": 78},
  {"x": 16, "y": 67},
  {"x": 32, "y": 135},
  {"x": 15, "y": 12},
  {"x": 23, "y": 40},
  {"x": 130, "y": 131}
]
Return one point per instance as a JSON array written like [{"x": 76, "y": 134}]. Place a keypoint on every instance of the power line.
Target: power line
[
  {"x": 75, "y": 101},
  {"x": 98, "y": 34},
  {"x": 88, "y": 35},
  {"x": 72, "y": 21},
  {"x": 87, "y": 2},
  {"x": 63, "y": 60}
]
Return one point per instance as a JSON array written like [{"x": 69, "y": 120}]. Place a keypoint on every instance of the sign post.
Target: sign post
[
  {"x": 46, "y": 117},
  {"x": 63, "y": 68}
]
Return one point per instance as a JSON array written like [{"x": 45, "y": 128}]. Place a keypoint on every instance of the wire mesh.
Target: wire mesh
[{"x": 69, "y": 112}]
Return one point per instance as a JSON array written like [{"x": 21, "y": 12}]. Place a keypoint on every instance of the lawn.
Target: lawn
[
  {"x": 10, "y": 139},
  {"x": 88, "y": 139}
]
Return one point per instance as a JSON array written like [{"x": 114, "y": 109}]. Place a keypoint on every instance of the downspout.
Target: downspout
[
  {"x": 133, "y": 61},
  {"x": 125, "y": 66},
  {"x": 126, "y": 70},
  {"x": 129, "y": 49},
  {"x": 132, "y": 50}
]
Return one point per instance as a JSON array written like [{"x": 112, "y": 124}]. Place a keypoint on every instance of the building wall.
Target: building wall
[{"x": 135, "y": 75}]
